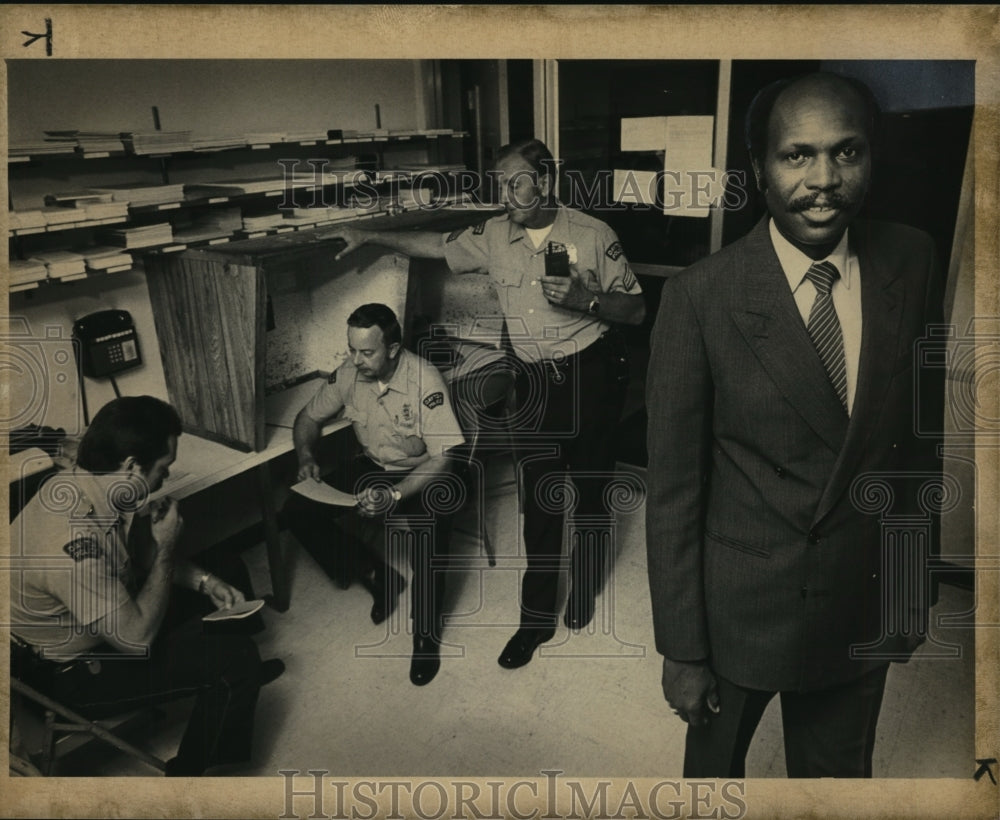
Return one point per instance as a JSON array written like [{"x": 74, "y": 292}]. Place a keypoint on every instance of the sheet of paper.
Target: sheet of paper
[
  {"x": 635, "y": 186},
  {"x": 243, "y": 610},
  {"x": 643, "y": 133},
  {"x": 323, "y": 493},
  {"x": 687, "y": 165}
]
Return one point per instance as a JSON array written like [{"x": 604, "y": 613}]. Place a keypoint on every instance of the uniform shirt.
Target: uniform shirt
[
  {"x": 69, "y": 565},
  {"x": 539, "y": 330},
  {"x": 400, "y": 427},
  {"x": 846, "y": 295}
]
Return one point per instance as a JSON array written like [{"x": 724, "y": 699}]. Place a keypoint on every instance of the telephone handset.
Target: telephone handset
[{"x": 107, "y": 343}]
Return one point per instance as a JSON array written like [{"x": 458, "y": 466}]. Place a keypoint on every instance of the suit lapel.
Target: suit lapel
[
  {"x": 881, "y": 312},
  {"x": 772, "y": 327}
]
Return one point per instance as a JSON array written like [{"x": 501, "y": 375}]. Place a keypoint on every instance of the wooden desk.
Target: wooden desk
[{"x": 202, "y": 463}]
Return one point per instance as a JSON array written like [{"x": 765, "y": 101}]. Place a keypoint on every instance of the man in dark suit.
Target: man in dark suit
[{"x": 781, "y": 374}]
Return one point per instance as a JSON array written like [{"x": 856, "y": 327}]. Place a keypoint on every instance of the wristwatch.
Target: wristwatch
[{"x": 594, "y": 306}]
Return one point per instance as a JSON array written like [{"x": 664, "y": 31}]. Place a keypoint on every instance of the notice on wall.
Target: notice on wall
[
  {"x": 687, "y": 165},
  {"x": 637, "y": 187},
  {"x": 643, "y": 133}
]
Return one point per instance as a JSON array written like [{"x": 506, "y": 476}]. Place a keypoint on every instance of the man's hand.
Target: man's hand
[
  {"x": 308, "y": 468},
  {"x": 222, "y": 595},
  {"x": 568, "y": 291},
  {"x": 690, "y": 689},
  {"x": 373, "y": 501},
  {"x": 166, "y": 523},
  {"x": 352, "y": 236}
]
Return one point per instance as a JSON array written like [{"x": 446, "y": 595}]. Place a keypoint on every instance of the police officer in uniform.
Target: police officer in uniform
[
  {"x": 90, "y": 602},
  {"x": 570, "y": 365},
  {"x": 402, "y": 418}
]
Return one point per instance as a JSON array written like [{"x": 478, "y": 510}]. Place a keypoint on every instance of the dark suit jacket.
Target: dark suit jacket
[{"x": 759, "y": 560}]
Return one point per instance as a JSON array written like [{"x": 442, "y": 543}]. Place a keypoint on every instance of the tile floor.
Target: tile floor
[{"x": 589, "y": 705}]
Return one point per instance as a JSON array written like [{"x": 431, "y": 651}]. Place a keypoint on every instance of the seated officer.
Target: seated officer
[
  {"x": 402, "y": 417},
  {"x": 90, "y": 595}
]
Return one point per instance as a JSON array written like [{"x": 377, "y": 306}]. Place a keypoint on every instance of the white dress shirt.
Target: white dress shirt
[{"x": 846, "y": 294}]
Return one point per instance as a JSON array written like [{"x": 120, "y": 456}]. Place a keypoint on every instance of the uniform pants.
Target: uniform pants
[
  {"x": 567, "y": 415},
  {"x": 828, "y": 733},
  {"x": 326, "y": 532},
  {"x": 212, "y": 662}
]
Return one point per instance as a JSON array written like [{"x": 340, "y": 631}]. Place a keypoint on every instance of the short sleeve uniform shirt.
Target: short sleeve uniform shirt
[
  {"x": 69, "y": 565},
  {"x": 401, "y": 427},
  {"x": 539, "y": 330}
]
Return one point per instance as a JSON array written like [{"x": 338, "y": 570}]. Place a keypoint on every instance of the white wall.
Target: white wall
[{"x": 210, "y": 96}]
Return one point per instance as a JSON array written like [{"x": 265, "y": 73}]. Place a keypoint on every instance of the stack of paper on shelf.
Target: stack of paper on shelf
[
  {"x": 437, "y": 132},
  {"x": 106, "y": 259},
  {"x": 26, "y": 272},
  {"x": 138, "y": 193},
  {"x": 216, "y": 143},
  {"x": 74, "y": 199},
  {"x": 208, "y": 223},
  {"x": 29, "y": 148},
  {"x": 314, "y": 216},
  {"x": 145, "y": 236},
  {"x": 56, "y": 216},
  {"x": 89, "y": 142},
  {"x": 263, "y": 222},
  {"x": 264, "y": 137},
  {"x": 235, "y": 187},
  {"x": 156, "y": 142},
  {"x": 95, "y": 204},
  {"x": 314, "y": 135},
  {"x": 62, "y": 264},
  {"x": 318, "y": 178},
  {"x": 32, "y": 219}
]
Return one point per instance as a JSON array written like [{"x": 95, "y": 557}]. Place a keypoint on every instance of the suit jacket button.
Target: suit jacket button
[
  {"x": 813, "y": 537},
  {"x": 779, "y": 472}
]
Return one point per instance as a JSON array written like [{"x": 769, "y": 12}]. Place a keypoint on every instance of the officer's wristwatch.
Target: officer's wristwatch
[{"x": 594, "y": 306}]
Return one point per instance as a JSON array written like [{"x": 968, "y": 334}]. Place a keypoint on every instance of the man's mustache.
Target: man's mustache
[{"x": 831, "y": 200}]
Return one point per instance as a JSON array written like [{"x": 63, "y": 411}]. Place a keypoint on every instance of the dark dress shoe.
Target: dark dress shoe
[
  {"x": 521, "y": 647},
  {"x": 386, "y": 596},
  {"x": 270, "y": 671},
  {"x": 425, "y": 662},
  {"x": 579, "y": 610}
]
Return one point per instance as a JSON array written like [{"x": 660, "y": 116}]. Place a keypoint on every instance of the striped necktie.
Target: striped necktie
[{"x": 824, "y": 327}]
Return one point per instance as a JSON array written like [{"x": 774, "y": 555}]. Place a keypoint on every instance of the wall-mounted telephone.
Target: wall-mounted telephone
[{"x": 107, "y": 343}]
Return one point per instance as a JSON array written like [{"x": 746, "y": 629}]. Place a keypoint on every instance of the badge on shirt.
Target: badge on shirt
[
  {"x": 407, "y": 414},
  {"x": 614, "y": 251},
  {"x": 83, "y": 547},
  {"x": 434, "y": 400}
]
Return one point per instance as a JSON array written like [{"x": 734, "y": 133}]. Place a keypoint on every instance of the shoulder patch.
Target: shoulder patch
[
  {"x": 83, "y": 547},
  {"x": 455, "y": 234},
  {"x": 434, "y": 400},
  {"x": 614, "y": 251},
  {"x": 478, "y": 230}
]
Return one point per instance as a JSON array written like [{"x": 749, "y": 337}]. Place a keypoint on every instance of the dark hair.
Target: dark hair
[
  {"x": 759, "y": 113},
  {"x": 533, "y": 152},
  {"x": 378, "y": 314},
  {"x": 136, "y": 426}
]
